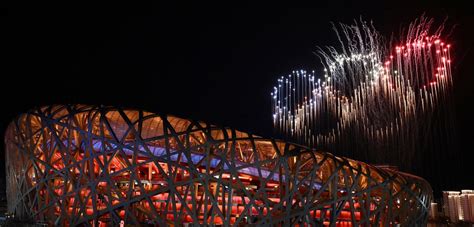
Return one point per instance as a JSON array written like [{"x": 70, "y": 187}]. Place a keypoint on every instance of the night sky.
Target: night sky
[{"x": 200, "y": 62}]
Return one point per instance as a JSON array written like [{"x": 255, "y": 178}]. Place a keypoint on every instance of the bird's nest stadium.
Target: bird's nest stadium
[{"x": 106, "y": 166}]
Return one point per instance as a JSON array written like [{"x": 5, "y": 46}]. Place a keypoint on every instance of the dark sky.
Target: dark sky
[{"x": 200, "y": 62}]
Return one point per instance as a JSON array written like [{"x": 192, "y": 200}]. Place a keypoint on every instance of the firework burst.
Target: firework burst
[{"x": 378, "y": 102}]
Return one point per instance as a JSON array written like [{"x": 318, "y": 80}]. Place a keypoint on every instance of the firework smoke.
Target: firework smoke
[{"x": 376, "y": 102}]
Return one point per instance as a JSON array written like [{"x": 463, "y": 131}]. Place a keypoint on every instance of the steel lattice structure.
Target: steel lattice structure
[{"x": 98, "y": 165}]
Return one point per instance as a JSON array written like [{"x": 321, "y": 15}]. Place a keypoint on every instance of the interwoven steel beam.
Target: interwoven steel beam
[{"x": 97, "y": 165}]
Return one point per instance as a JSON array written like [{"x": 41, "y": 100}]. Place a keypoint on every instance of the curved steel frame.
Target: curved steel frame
[{"x": 77, "y": 164}]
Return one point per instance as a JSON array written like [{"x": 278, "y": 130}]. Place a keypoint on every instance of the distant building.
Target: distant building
[
  {"x": 466, "y": 206},
  {"x": 459, "y": 206},
  {"x": 471, "y": 205},
  {"x": 434, "y": 211}
]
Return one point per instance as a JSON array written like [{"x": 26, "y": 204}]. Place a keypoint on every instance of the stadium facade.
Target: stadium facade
[{"x": 101, "y": 166}]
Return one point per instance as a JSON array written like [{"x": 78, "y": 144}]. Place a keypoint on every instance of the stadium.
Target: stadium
[{"x": 106, "y": 166}]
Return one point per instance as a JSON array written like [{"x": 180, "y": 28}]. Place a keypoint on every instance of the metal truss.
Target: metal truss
[{"x": 98, "y": 165}]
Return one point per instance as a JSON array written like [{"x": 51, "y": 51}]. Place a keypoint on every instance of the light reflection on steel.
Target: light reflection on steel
[{"x": 78, "y": 164}]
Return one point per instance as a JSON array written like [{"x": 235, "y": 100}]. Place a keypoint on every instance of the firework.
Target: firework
[{"x": 375, "y": 101}]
